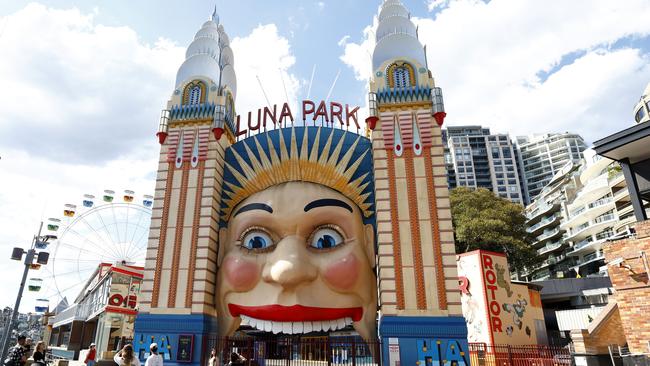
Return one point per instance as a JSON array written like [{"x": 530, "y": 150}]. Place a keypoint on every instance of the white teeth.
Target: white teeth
[
  {"x": 245, "y": 320},
  {"x": 316, "y": 326},
  {"x": 277, "y": 327},
  {"x": 334, "y": 325},
  {"x": 308, "y": 327},
  {"x": 295, "y": 327},
  {"x": 287, "y": 328}
]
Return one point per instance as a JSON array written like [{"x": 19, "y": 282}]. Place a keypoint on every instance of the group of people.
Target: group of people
[
  {"x": 126, "y": 357},
  {"x": 20, "y": 353}
]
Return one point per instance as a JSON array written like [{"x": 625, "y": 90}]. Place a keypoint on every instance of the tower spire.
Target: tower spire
[{"x": 215, "y": 16}]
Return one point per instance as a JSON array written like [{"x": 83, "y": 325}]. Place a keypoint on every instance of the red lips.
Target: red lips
[{"x": 295, "y": 313}]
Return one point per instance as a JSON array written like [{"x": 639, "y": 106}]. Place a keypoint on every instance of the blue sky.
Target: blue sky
[{"x": 83, "y": 82}]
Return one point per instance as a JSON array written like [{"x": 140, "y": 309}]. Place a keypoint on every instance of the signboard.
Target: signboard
[
  {"x": 330, "y": 113},
  {"x": 185, "y": 346}
]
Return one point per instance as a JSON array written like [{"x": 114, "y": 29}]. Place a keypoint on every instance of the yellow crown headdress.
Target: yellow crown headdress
[{"x": 332, "y": 157}]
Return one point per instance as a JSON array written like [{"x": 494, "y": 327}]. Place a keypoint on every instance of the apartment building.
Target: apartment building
[
  {"x": 476, "y": 158},
  {"x": 543, "y": 156},
  {"x": 582, "y": 207}
]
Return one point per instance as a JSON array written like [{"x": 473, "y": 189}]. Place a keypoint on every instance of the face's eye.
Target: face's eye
[
  {"x": 256, "y": 239},
  {"x": 325, "y": 238}
]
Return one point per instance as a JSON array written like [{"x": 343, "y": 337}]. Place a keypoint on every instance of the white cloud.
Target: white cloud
[
  {"x": 80, "y": 103},
  {"x": 321, "y": 5},
  {"x": 78, "y": 91},
  {"x": 488, "y": 58},
  {"x": 267, "y": 55}
]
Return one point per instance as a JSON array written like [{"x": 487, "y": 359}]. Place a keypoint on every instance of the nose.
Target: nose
[{"x": 289, "y": 265}]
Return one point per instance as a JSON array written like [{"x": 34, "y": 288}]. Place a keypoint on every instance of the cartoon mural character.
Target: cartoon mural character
[
  {"x": 501, "y": 279},
  {"x": 509, "y": 330},
  {"x": 528, "y": 332},
  {"x": 517, "y": 309},
  {"x": 297, "y": 237}
]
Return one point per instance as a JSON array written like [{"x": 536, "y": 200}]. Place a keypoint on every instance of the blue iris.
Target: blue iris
[
  {"x": 326, "y": 241},
  {"x": 257, "y": 242},
  {"x": 256, "y": 239},
  {"x": 326, "y": 238}
]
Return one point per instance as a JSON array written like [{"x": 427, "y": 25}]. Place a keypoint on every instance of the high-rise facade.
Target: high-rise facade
[
  {"x": 572, "y": 218},
  {"x": 476, "y": 158},
  {"x": 543, "y": 156}
]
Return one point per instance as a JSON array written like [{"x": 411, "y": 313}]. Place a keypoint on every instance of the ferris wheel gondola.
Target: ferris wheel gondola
[{"x": 105, "y": 230}]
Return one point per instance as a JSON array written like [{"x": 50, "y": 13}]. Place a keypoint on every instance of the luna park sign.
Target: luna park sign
[{"x": 331, "y": 113}]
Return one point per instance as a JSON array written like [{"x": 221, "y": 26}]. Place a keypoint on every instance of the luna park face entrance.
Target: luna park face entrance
[{"x": 294, "y": 351}]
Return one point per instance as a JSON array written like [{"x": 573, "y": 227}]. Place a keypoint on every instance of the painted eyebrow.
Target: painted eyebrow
[
  {"x": 327, "y": 202},
  {"x": 254, "y": 206}
]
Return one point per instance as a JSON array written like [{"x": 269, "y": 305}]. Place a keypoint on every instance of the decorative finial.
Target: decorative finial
[{"x": 215, "y": 16}]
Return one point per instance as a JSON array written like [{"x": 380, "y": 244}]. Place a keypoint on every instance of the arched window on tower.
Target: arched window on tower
[
  {"x": 195, "y": 95},
  {"x": 400, "y": 75}
]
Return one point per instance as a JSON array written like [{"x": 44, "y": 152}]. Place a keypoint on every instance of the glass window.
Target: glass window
[
  {"x": 500, "y": 182},
  {"x": 499, "y": 175},
  {"x": 461, "y": 170},
  {"x": 640, "y": 114},
  {"x": 401, "y": 77},
  {"x": 195, "y": 95},
  {"x": 510, "y": 168},
  {"x": 502, "y": 189},
  {"x": 512, "y": 188},
  {"x": 506, "y": 152},
  {"x": 470, "y": 169},
  {"x": 514, "y": 195},
  {"x": 511, "y": 175},
  {"x": 512, "y": 181},
  {"x": 498, "y": 168}
]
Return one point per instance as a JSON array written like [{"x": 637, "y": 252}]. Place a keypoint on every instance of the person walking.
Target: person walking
[
  {"x": 91, "y": 356},
  {"x": 16, "y": 355},
  {"x": 126, "y": 357},
  {"x": 154, "y": 358},
  {"x": 39, "y": 354}
]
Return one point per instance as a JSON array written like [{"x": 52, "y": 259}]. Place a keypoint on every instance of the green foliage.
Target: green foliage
[{"x": 485, "y": 221}]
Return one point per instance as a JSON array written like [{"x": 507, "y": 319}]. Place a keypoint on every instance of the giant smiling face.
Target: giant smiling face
[{"x": 297, "y": 258}]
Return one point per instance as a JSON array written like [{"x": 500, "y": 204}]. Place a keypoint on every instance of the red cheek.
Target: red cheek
[
  {"x": 343, "y": 273},
  {"x": 240, "y": 274}
]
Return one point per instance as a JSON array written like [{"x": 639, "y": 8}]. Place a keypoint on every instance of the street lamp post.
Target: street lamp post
[{"x": 29, "y": 259}]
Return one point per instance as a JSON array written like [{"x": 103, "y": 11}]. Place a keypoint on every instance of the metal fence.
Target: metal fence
[
  {"x": 296, "y": 351},
  {"x": 482, "y": 354}
]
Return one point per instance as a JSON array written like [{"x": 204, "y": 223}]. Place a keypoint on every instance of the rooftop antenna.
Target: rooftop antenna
[
  {"x": 286, "y": 96},
  {"x": 313, "y": 71},
  {"x": 333, "y": 84},
  {"x": 263, "y": 92}
]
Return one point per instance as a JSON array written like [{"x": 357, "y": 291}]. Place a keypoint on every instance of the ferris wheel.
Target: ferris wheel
[{"x": 110, "y": 229}]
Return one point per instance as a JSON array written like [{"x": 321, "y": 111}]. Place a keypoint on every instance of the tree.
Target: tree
[{"x": 484, "y": 221}]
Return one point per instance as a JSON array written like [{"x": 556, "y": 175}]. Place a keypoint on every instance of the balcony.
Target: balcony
[
  {"x": 552, "y": 260},
  {"x": 549, "y": 248},
  {"x": 591, "y": 227},
  {"x": 544, "y": 222},
  {"x": 548, "y": 234},
  {"x": 541, "y": 210}
]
